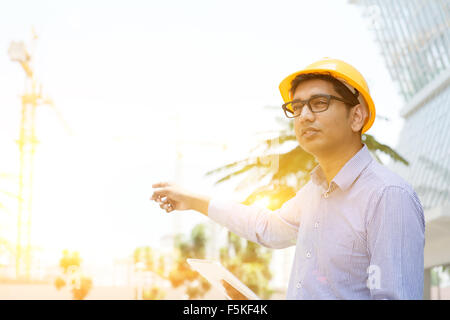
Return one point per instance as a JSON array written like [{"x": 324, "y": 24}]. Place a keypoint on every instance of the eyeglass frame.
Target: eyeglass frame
[{"x": 328, "y": 96}]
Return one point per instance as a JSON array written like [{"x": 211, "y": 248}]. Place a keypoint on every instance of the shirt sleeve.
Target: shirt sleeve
[
  {"x": 273, "y": 229},
  {"x": 396, "y": 240}
]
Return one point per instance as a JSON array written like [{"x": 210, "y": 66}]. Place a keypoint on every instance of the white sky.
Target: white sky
[{"x": 119, "y": 72}]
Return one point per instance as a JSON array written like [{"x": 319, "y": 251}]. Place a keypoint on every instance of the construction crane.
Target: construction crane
[{"x": 31, "y": 99}]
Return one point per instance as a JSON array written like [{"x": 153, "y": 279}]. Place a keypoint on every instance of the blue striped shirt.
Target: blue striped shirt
[{"x": 360, "y": 237}]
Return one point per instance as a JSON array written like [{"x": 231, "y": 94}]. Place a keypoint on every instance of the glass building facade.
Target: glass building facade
[
  {"x": 425, "y": 142},
  {"x": 414, "y": 39}
]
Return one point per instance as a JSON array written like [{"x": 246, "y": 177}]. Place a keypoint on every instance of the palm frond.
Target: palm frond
[
  {"x": 236, "y": 173},
  {"x": 374, "y": 145},
  {"x": 226, "y": 167}
]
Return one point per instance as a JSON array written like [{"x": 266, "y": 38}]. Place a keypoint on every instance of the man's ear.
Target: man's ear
[{"x": 358, "y": 117}]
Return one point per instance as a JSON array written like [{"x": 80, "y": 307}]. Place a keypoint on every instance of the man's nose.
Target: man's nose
[{"x": 306, "y": 114}]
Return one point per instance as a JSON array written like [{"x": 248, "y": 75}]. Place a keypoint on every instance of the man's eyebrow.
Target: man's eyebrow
[{"x": 311, "y": 96}]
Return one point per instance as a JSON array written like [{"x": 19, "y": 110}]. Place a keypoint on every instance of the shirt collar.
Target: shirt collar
[{"x": 348, "y": 173}]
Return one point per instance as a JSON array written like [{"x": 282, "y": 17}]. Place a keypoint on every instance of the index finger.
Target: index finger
[{"x": 160, "y": 184}]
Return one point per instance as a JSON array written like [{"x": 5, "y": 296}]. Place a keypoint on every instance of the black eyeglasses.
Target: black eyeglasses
[{"x": 317, "y": 103}]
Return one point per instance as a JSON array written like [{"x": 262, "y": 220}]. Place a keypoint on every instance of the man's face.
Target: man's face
[{"x": 324, "y": 132}]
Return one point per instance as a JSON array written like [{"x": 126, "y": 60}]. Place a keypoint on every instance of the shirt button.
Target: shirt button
[
  {"x": 325, "y": 195},
  {"x": 308, "y": 254},
  {"x": 316, "y": 225},
  {"x": 299, "y": 285}
]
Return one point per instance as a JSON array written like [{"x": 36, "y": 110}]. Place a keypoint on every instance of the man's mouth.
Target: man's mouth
[{"x": 307, "y": 132}]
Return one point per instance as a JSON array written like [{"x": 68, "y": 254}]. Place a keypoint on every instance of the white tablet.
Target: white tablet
[{"x": 215, "y": 273}]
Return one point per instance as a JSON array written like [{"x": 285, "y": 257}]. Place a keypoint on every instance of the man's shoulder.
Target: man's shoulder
[
  {"x": 387, "y": 184},
  {"x": 380, "y": 178}
]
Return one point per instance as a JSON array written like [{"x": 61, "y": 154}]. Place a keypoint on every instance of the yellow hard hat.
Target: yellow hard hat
[{"x": 342, "y": 71}]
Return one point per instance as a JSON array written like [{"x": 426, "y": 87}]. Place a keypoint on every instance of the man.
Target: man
[{"x": 358, "y": 227}]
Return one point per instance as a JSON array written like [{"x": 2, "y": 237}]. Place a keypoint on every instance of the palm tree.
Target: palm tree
[
  {"x": 292, "y": 167},
  {"x": 181, "y": 273},
  {"x": 249, "y": 262}
]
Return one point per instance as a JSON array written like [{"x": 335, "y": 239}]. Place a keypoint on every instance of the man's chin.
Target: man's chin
[{"x": 313, "y": 147}]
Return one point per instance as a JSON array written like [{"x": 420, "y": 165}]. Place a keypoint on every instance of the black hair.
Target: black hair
[{"x": 338, "y": 86}]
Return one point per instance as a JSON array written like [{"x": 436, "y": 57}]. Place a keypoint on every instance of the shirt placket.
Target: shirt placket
[
  {"x": 310, "y": 248},
  {"x": 318, "y": 227}
]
